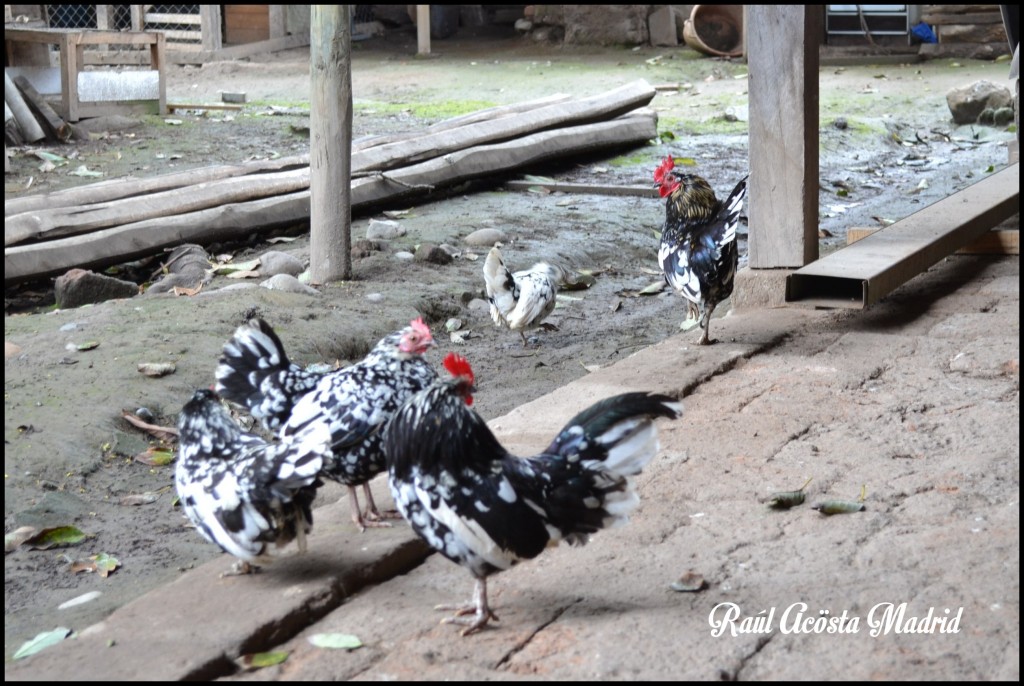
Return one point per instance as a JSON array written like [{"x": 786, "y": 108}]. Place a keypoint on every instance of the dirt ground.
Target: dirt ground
[{"x": 69, "y": 456}]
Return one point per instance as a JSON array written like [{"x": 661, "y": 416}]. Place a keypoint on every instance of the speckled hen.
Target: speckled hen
[
  {"x": 486, "y": 509},
  {"x": 354, "y": 403},
  {"x": 242, "y": 493}
]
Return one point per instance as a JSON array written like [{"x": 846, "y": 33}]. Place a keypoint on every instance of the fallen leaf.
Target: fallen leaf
[
  {"x": 54, "y": 536},
  {"x": 337, "y": 641},
  {"x": 105, "y": 564},
  {"x": 41, "y": 641},
  {"x": 261, "y": 660},
  {"x": 88, "y": 345},
  {"x": 80, "y": 600},
  {"x": 248, "y": 266},
  {"x": 86, "y": 172},
  {"x": 155, "y": 457},
  {"x": 181, "y": 290},
  {"x": 17, "y": 537},
  {"x": 653, "y": 289}
]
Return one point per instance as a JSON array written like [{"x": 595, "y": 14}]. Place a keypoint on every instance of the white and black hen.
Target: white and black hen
[
  {"x": 354, "y": 403},
  {"x": 522, "y": 300},
  {"x": 486, "y": 509},
  {"x": 241, "y": 492}
]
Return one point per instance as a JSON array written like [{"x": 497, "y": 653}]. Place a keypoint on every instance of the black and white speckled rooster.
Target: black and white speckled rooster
[
  {"x": 242, "y": 493},
  {"x": 355, "y": 403},
  {"x": 486, "y": 509},
  {"x": 522, "y": 300},
  {"x": 698, "y": 251}
]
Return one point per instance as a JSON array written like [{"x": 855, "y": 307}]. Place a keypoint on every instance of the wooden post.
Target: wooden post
[
  {"x": 782, "y": 44},
  {"x": 423, "y": 30},
  {"x": 210, "y": 27},
  {"x": 330, "y": 55}
]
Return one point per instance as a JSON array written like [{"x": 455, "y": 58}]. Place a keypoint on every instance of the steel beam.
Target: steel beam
[{"x": 866, "y": 271}]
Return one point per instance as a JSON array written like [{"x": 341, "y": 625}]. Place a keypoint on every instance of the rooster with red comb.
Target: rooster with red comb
[
  {"x": 487, "y": 509},
  {"x": 698, "y": 253},
  {"x": 354, "y": 402}
]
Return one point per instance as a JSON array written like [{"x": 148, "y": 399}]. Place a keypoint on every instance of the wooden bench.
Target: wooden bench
[{"x": 72, "y": 43}]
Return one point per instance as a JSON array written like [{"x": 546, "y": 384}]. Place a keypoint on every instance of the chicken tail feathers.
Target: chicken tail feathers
[
  {"x": 501, "y": 287},
  {"x": 594, "y": 457},
  {"x": 255, "y": 371}
]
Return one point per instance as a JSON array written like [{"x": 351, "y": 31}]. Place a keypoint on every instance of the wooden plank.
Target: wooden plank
[
  {"x": 233, "y": 221},
  {"x": 860, "y": 274},
  {"x": 197, "y": 106},
  {"x": 57, "y": 126},
  {"x": 70, "y": 221},
  {"x": 586, "y": 189},
  {"x": 610, "y": 104},
  {"x": 994, "y": 242},
  {"x": 783, "y": 191},
  {"x": 115, "y": 189}
]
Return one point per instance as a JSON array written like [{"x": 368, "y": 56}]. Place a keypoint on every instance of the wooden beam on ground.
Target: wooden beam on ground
[
  {"x": 116, "y": 189},
  {"x": 586, "y": 189},
  {"x": 994, "y": 242},
  {"x": 862, "y": 273},
  {"x": 57, "y": 126},
  {"x": 234, "y": 221},
  {"x": 783, "y": 196}
]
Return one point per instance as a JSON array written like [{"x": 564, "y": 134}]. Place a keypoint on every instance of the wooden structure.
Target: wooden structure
[
  {"x": 782, "y": 53},
  {"x": 71, "y": 44}
]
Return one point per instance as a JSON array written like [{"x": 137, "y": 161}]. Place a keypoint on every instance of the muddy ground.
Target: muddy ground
[{"x": 69, "y": 457}]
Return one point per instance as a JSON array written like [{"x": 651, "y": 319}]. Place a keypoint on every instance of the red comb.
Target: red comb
[
  {"x": 667, "y": 165},
  {"x": 421, "y": 327},
  {"x": 457, "y": 365}
]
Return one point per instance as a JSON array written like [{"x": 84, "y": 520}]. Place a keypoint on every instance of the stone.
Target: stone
[
  {"x": 275, "y": 262},
  {"x": 433, "y": 254},
  {"x": 384, "y": 229},
  {"x": 78, "y": 287},
  {"x": 286, "y": 282},
  {"x": 966, "y": 104},
  {"x": 485, "y": 237}
]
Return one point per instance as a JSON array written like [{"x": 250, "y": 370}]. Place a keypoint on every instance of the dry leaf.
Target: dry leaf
[{"x": 181, "y": 290}]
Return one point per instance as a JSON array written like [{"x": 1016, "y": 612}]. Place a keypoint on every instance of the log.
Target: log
[
  {"x": 58, "y": 221},
  {"x": 585, "y": 110},
  {"x": 115, "y": 189},
  {"x": 70, "y": 221},
  {"x": 462, "y": 120},
  {"x": 119, "y": 244},
  {"x": 31, "y": 131},
  {"x": 57, "y": 126}
]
